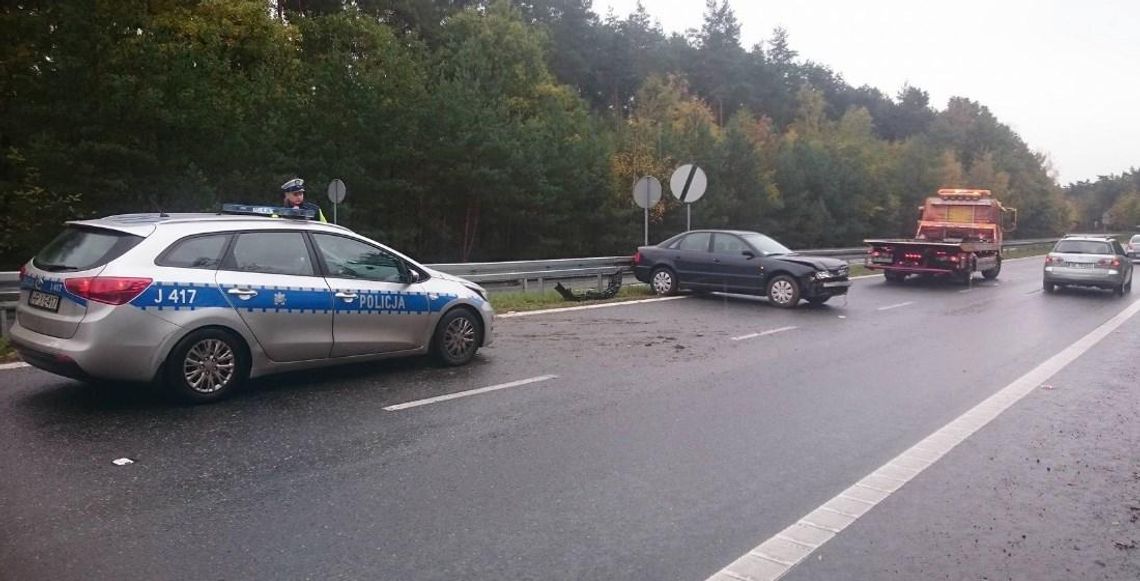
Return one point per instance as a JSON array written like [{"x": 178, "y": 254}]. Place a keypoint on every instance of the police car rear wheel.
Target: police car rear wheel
[
  {"x": 457, "y": 337},
  {"x": 206, "y": 366}
]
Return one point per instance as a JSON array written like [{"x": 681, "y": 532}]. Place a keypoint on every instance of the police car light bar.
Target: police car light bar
[{"x": 269, "y": 211}]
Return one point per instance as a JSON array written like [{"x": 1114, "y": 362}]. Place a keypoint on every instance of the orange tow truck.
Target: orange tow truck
[{"x": 959, "y": 233}]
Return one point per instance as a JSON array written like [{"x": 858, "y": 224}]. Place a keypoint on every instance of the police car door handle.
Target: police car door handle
[
  {"x": 242, "y": 293},
  {"x": 346, "y": 296}
]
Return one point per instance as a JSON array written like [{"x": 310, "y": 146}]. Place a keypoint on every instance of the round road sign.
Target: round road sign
[
  {"x": 336, "y": 191},
  {"x": 688, "y": 183},
  {"x": 647, "y": 192}
]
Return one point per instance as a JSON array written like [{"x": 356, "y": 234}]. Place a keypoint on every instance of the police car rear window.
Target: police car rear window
[
  {"x": 79, "y": 248},
  {"x": 195, "y": 252}
]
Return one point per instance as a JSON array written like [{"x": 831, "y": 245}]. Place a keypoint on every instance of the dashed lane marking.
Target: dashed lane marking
[
  {"x": 450, "y": 396},
  {"x": 763, "y": 334},
  {"x": 889, "y": 307}
]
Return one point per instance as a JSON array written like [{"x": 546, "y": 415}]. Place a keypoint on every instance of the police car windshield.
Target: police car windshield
[{"x": 78, "y": 248}]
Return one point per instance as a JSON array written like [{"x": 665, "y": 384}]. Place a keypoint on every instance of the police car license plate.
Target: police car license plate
[{"x": 45, "y": 301}]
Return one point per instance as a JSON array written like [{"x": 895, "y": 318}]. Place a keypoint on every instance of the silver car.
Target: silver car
[
  {"x": 1132, "y": 247},
  {"x": 201, "y": 302},
  {"x": 1096, "y": 261}
]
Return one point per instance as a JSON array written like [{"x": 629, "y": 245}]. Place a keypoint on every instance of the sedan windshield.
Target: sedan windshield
[{"x": 766, "y": 245}]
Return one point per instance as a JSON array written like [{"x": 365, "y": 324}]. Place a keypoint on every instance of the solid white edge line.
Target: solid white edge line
[
  {"x": 981, "y": 415},
  {"x": 748, "y": 336},
  {"x": 889, "y": 307},
  {"x": 16, "y": 365},
  {"x": 457, "y": 395},
  {"x": 512, "y": 315}
]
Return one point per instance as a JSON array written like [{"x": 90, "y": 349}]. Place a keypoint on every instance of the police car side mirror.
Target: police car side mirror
[{"x": 412, "y": 277}]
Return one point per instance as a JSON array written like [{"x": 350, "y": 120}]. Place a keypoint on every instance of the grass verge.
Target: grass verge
[
  {"x": 523, "y": 301},
  {"x": 7, "y": 354}
]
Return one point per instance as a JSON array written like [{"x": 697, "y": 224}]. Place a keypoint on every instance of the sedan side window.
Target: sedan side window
[
  {"x": 271, "y": 253},
  {"x": 728, "y": 244},
  {"x": 348, "y": 258},
  {"x": 698, "y": 242}
]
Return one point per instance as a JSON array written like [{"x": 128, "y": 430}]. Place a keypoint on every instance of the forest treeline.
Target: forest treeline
[{"x": 481, "y": 130}]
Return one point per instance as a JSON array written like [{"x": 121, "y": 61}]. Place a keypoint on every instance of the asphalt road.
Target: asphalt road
[{"x": 676, "y": 436}]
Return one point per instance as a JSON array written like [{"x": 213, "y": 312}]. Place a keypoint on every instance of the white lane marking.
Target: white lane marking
[
  {"x": 587, "y": 307},
  {"x": 889, "y": 307},
  {"x": 13, "y": 365},
  {"x": 437, "y": 399},
  {"x": 765, "y": 333},
  {"x": 943, "y": 440}
]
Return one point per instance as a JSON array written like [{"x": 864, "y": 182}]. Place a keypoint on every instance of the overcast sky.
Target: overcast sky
[{"x": 1064, "y": 74}]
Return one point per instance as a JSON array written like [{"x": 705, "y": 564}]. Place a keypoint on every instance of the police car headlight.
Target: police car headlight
[{"x": 482, "y": 292}]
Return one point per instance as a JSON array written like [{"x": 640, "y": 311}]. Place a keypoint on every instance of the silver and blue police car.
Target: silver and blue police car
[{"x": 201, "y": 302}]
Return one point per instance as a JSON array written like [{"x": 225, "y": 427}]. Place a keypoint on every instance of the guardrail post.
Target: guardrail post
[
  {"x": 4, "y": 322},
  {"x": 541, "y": 285},
  {"x": 600, "y": 289}
]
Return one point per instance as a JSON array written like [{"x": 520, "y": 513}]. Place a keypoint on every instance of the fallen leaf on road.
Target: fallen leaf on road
[
  {"x": 1047, "y": 386},
  {"x": 1125, "y": 545}
]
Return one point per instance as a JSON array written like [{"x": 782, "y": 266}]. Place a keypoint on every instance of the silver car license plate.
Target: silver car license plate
[{"x": 45, "y": 301}]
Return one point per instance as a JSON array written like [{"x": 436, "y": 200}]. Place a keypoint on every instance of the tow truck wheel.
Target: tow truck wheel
[
  {"x": 993, "y": 272},
  {"x": 892, "y": 276}
]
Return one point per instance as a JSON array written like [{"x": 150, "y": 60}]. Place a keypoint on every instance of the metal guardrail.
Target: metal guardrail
[
  {"x": 9, "y": 297},
  {"x": 518, "y": 274}
]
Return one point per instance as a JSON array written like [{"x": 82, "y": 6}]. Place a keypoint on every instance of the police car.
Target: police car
[{"x": 201, "y": 302}]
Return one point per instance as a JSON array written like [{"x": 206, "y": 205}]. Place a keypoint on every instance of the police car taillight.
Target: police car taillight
[
  {"x": 23, "y": 271},
  {"x": 112, "y": 290}
]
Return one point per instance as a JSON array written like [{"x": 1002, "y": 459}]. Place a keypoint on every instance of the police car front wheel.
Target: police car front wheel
[
  {"x": 457, "y": 337},
  {"x": 206, "y": 366}
]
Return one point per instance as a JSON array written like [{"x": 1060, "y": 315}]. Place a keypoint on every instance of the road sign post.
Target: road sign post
[
  {"x": 646, "y": 193},
  {"x": 688, "y": 184},
  {"x": 336, "y": 195}
]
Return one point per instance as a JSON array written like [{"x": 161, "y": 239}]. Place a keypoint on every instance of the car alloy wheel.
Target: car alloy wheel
[
  {"x": 459, "y": 337},
  {"x": 209, "y": 366}
]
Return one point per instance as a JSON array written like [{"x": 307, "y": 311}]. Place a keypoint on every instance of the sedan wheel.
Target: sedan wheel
[
  {"x": 783, "y": 291},
  {"x": 664, "y": 282}
]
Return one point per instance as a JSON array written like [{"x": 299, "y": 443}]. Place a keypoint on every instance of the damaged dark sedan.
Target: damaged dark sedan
[{"x": 738, "y": 261}]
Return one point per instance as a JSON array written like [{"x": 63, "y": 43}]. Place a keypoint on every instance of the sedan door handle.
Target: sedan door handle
[
  {"x": 244, "y": 293},
  {"x": 345, "y": 296}
]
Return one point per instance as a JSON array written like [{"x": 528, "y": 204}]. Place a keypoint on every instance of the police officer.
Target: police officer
[{"x": 293, "y": 194}]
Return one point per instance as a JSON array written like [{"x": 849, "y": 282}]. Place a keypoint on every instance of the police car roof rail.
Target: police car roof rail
[{"x": 269, "y": 211}]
